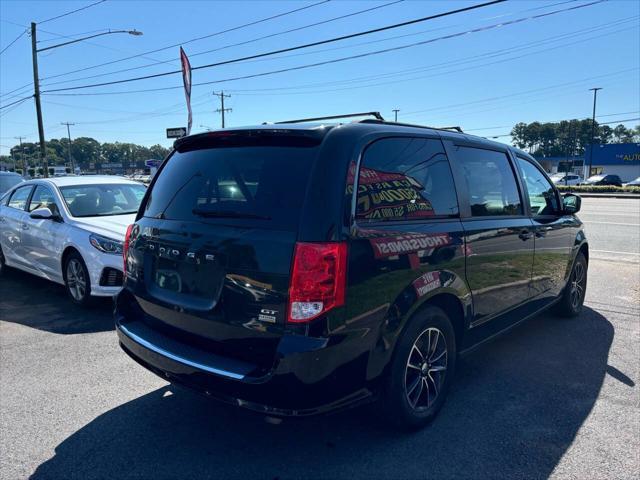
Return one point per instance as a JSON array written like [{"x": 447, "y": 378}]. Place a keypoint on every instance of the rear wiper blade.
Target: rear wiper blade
[{"x": 202, "y": 212}]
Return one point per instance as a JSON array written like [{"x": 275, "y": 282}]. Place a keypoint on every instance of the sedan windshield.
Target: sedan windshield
[{"x": 102, "y": 200}]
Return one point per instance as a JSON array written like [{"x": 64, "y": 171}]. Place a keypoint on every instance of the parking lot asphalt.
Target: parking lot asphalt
[{"x": 552, "y": 398}]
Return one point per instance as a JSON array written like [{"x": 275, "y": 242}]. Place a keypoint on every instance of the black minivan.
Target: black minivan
[{"x": 298, "y": 268}]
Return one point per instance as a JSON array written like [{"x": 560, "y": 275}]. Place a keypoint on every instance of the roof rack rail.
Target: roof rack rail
[
  {"x": 334, "y": 117},
  {"x": 369, "y": 120}
]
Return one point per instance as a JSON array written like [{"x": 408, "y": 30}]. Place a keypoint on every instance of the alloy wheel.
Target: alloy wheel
[
  {"x": 426, "y": 369},
  {"x": 76, "y": 280},
  {"x": 578, "y": 278}
]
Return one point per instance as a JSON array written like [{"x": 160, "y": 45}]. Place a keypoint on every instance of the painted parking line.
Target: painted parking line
[
  {"x": 613, "y": 223},
  {"x": 617, "y": 253}
]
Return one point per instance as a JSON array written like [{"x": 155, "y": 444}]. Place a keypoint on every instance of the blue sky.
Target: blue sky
[{"x": 535, "y": 69}]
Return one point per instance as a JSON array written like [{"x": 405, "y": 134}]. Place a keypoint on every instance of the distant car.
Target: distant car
[
  {"x": 8, "y": 180},
  {"x": 633, "y": 183},
  {"x": 603, "y": 180},
  {"x": 70, "y": 230},
  {"x": 569, "y": 179}
]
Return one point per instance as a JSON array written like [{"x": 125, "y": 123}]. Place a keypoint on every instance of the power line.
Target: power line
[
  {"x": 463, "y": 60},
  {"x": 17, "y": 101},
  {"x": 262, "y": 20},
  {"x": 17, "y": 38},
  {"x": 300, "y": 67},
  {"x": 72, "y": 12},
  {"x": 297, "y": 47},
  {"x": 246, "y": 42}
]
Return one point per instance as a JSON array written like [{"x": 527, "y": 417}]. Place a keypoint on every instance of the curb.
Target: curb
[{"x": 605, "y": 195}]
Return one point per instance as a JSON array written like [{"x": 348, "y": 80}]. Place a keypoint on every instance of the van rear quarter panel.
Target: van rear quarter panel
[{"x": 394, "y": 268}]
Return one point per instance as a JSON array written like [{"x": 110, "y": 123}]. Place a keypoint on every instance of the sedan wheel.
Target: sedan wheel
[{"x": 77, "y": 280}]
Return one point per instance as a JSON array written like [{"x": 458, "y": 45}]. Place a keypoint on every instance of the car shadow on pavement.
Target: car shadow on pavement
[
  {"x": 516, "y": 407},
  {"x": 38, "y": 303}
]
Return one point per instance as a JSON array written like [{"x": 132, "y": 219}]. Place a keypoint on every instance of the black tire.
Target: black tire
[
  {"x": 570, "y": 304},
  {"x": 76, "y": 280},
  {"x": 400, "y": 403},
  {"x": 3, "y": 265}
]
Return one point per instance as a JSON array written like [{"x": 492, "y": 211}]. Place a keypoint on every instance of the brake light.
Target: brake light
[
  {"x": 125, "y": 247},
  {"x": 318, "y": 280}
]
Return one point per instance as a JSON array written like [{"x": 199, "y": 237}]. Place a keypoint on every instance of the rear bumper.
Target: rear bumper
[{"x": 309, "y": 377}]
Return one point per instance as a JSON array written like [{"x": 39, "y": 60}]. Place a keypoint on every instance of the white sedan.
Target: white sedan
[
  {"x": 570, "y": 179},
  {"x": 70, "y": 230}
]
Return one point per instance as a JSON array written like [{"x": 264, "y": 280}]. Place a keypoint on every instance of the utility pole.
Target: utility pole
[
  {"x": 24, "y": 170},
  {"x": 36, "y": 96},
  {"x": 593, "y": 127},
  {"x": 36, "y": 81},
  {"x": 73, "y": 169},
  {"x": 395, "y": 111},
  {"x": 222, "y": 110}
]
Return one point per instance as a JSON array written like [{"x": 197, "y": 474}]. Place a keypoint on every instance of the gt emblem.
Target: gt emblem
[
  {"x": 209, "y": 258},
  {"x": 267, "y": 315}
]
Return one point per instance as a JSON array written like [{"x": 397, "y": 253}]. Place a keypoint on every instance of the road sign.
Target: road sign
[
  {"x": 176, "y": 132},
  {"x": 152, "y": 163}
]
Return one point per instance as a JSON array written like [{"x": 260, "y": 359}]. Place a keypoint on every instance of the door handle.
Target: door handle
[
  {"x": 525, "y": 235},
  {"x": 542, "y": 232}
]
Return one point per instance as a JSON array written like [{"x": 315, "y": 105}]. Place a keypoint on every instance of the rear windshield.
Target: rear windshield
[{"x": 265, "y": 184}]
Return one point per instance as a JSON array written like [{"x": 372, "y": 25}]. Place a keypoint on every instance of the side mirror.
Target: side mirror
[
  {"x": 571, "y": 203},
  {"x": 42, "y": 213}
]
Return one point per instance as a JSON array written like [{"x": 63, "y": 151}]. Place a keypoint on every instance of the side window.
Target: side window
[
  {"x": 19, "y": 198},
  {"x": 405, "y": 179},
  {"x": 542, "y": 196},
  {"x": 43, "y": 197},
  {"x": 490, "y": 181}
]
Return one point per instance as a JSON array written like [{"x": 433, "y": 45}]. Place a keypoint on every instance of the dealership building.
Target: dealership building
[{"x": 622, "y": 159}]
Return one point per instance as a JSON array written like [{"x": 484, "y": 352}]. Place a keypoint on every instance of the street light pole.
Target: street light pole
[
  {"x": 395, "y": 111},
  {"x": 36, "y": 96},
  {"x": 593, "y": 127},
  {"x": 36, "y": 81}
]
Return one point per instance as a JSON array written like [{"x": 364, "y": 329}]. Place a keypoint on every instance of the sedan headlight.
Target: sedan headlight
[{"x": 106, "y": 245}]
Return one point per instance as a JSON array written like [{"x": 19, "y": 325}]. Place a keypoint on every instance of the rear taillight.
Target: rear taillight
[
  {"x": 318, "y": 280},
  {"x": 125, "y": 247}
]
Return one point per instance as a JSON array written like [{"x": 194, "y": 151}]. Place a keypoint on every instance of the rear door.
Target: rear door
[
  {"x": 211, "y": 258},
  {"x": 12, "y": 222},
  {"x": 498, "y": 233}
]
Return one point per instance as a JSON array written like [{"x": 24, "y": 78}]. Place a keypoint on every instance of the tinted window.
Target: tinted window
[
  {"x": 43, "y": 197},
  {"x": 265, "y": 183},
  {"x": 19, "y": 198},
  {"x": 103, "y": 199},
  {"x": 490, "y": 181},
  {"x": 542, "y": 196},
  {"x": 405, "y": 178}
]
